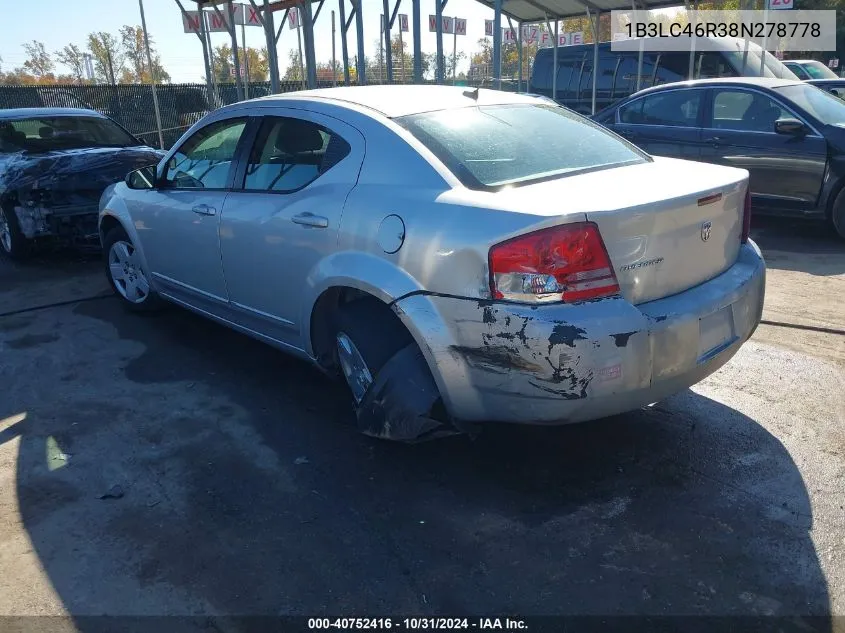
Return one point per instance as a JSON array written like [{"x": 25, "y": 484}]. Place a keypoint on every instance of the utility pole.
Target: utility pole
[{"x": 152, "y": 75}]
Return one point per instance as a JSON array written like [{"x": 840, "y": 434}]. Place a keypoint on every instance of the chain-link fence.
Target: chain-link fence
[{"x": 131, "y": 105}]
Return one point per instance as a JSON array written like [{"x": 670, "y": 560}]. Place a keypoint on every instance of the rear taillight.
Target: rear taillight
[
  {"x": 567, "y": 262},
  {"x": 746, "y": 217}
]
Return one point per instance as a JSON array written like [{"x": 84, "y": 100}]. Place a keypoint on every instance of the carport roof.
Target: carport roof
[
  {"x": 540, "y": 10},
  {"x": 528, "y": 10}
]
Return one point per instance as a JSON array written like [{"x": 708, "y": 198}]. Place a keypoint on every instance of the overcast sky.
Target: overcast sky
[{"x": 60, "y": 22}]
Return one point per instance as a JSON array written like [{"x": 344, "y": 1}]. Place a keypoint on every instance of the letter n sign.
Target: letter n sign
[{"x": 191, "y": 21}]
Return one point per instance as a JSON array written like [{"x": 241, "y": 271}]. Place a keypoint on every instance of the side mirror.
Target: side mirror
[
  {"x": 144, "y": 178},
  {"x": 792, "y": 127}
]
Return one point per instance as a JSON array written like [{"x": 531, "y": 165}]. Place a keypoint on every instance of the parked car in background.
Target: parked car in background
[
  {"x": 617, "y": 73},
  {"x": 789, "y": 135},
  {"x": 54, "y": 165},
  {"x": 818, "y": 75},
  {"x": 806, "y": 69},
  {"x": 420, "y": 242}
]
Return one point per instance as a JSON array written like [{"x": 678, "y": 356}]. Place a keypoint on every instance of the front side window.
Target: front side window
[
  {"x": 799, "y": 72},
  {"x": 745, "y": 111},
  {"x": 204, "y": 160},
  {"x": 493, "y": 146},
  {"x": 291, "y": 153},
  {"x": 47, "y": 134},
  {"x": 676, "y": 108}
]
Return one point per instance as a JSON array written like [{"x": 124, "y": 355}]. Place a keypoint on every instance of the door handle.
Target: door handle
[
  {"x": 204, "y": 209},
  {"x": 713, "y": 139},
  {"x": 309, "y": 219}
]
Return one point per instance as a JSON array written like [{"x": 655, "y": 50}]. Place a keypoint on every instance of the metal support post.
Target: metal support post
[
  {"x": 272, "y": 59},
  {"x": 438, "y": 29},
  {"x": 246, "y": 59},
  {"x": 519, "y": 59},
  {"x": 417, "y": 43},
  {"x": 344, "y": 27},
  {"x": 334, "y": 57},
  {"x": 594, "y": 24},
  {"x": 307, "y": 26},
  {"x": 361, "y": 62},
  {"x": 497, "y": 43},
  {"x": 388, "y": 54},
  {"x": 229, "y": 21}
]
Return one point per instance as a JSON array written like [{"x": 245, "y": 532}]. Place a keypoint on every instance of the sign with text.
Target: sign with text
[
  {"x": 448, "y": 25},
  {"x": 293, "y": 18},
  {"x": 251, "y": 17},
  {"x": 191, "y": 21},
  {"x": 781, "y": 4},
  {"x": 403, "y": 22},
  {"x": 488, "y": 28},
  {"x": 217, "y": 23}
]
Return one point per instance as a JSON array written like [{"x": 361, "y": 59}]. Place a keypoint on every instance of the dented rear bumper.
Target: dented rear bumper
[{"x": 499, "y": 361}]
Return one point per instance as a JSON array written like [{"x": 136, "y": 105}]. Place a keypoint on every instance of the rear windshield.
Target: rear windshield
[
  {"x": 492, "y": 146},
  {"x": 826, "y": 107},
  {"x": 46, "y": 134}
]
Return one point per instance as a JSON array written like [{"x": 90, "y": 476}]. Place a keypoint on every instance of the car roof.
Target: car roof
[
  {"x": 27, "y": 113},
  {"x": 758, "y": 82},
  {"x": 402, "y": 100}
]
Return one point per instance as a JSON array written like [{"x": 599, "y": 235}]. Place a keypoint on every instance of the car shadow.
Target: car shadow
[
  {"x": 243, "y": 489},
  {"x": 806, "y": 246},
  {"x": 46, "y": 268}
]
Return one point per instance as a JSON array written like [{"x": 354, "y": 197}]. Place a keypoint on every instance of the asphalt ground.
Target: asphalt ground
[{"x": 166, "y": 465}]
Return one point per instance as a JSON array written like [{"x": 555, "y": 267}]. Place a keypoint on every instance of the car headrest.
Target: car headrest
[
  {"x": 45, "y": 132},
  {"x": 297, "y": 138}
]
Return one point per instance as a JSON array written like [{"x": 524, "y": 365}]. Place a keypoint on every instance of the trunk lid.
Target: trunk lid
[
  {"x": 681, "y": 227},
  {"x": 668, "y": 225}
]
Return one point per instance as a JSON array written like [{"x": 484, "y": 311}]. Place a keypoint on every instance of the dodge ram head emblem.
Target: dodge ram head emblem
[{"x": 705, "y": 231}]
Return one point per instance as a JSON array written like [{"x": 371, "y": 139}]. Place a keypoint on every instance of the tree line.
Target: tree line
[{"x": 114, "y": 59}]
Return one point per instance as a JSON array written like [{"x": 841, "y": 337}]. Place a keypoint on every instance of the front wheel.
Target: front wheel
[
  {"x": 13, "y": 242},
  {"x": 126, "y": 275}
]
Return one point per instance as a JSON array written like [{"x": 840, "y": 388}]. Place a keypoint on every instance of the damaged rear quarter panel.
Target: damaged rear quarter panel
[{"x": 498, "y": 360}]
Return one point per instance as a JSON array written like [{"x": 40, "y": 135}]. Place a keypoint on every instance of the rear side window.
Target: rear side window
[
  {"x": 289, "y": 154},
  {"x": 676, "y": 108},
  {"x": 492, "y": 146}
]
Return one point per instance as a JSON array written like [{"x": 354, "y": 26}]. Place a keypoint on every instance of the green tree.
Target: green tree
[
  {"x": 293, "y": 72},
  {"x": 107, "y": 55},
  {"x": 135, "y": 52},
  {"x": 74, "y": 58},
  {"x": 38, "y": 61}
]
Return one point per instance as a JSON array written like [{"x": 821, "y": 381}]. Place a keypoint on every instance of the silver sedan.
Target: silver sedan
[{"x": 457, "y": 255}]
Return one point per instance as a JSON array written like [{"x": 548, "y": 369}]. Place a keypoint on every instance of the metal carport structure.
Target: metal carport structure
[{"x": 519, "y": 11}]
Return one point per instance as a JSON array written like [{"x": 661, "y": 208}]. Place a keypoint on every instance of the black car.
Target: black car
[
  {"x": 789, "y": 135},
  {"x": 54, "y": 165}
]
